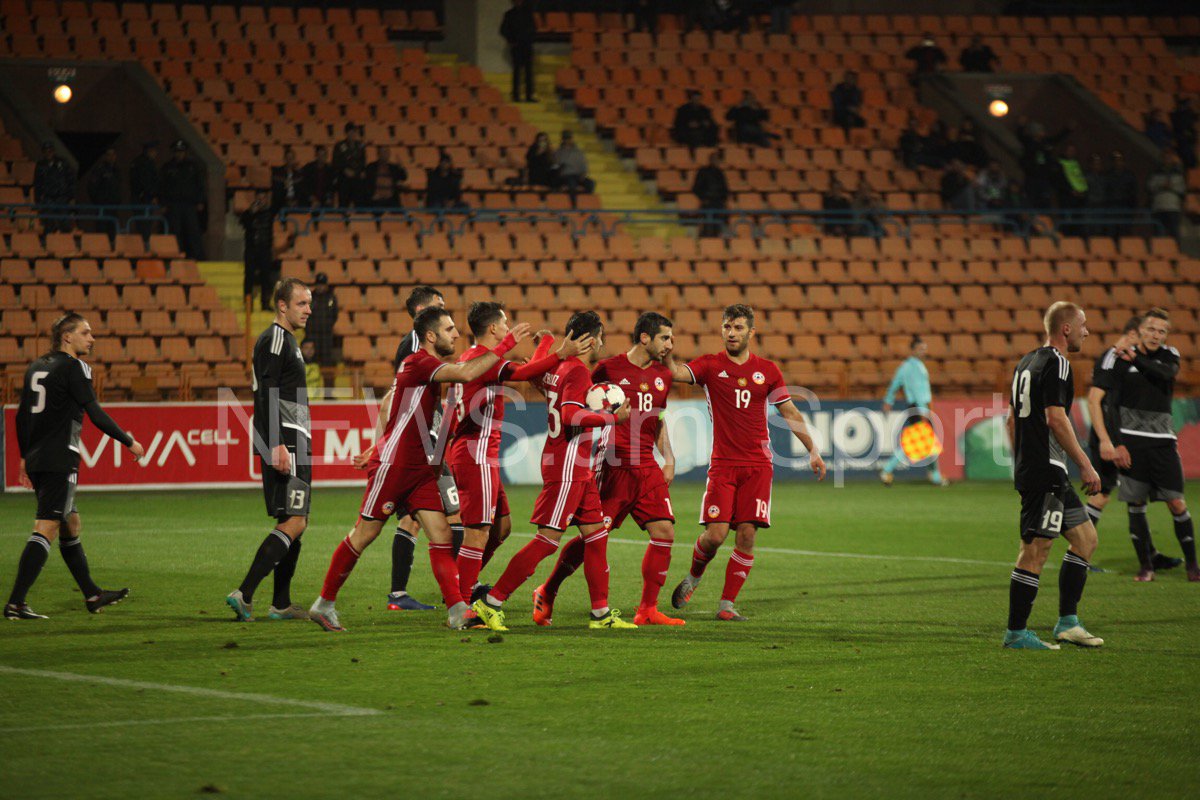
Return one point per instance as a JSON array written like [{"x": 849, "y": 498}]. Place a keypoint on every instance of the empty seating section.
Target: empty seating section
[
  {"x": 159, "y": 328},
  {"x": 16, "y": 171},
  {"x": 838, "y": 312}
]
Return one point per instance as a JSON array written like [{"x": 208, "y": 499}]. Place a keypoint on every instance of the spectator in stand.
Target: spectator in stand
[
  {"x": 53, "y": 185},
  {"x": 956, "y": 187},
  {"x": 287, "y": 183},
  {"x": 321, "y": 322},
  {"x": 571, "y": 165},
  {"x": 1039, "y": 163},
  {"x": 936, "y": 148},
  {"x": 1072, "y": 183},
  {"x": 1098, "y": 188},
  {"x": 320, "y": 179},
  {"x": 839, "y": 203},
  {"x": 385, "y": 179},
  {"x": 1157, "y": 129},
  {"x": 350, "y": 167},
  {"x": 847, "y": 103},
  {"x": 867, "y": 205},
  {"x": 312, "y": 371},
  {"x": 966, "y": 146},
  {"x": 978, "y": 57},
  {"x": 926, "y": 56},
  {"x": 1167, "y": 189},
  {"x": 539, "y": 163},
  {"x": 911, "y": 143},
  {"x": 694, "y": 125},
  {"x": 1183, "y": 126},
  {"x": 992, "y": 189},
  {"x": 143, "y": 184},
  {"x": 749, "y": 118},
  {"x": 712, "y": 190},
  {"x": 104, "y": 185},
  {"x": 258, "y": 226},
  {"x": 181, "y": 186},
  {"x": 1121, "y": 182},
  {"x": 519, "y": 29},
  {"x": 443, "y": 185},
  {"x": 644, "y": 15}
]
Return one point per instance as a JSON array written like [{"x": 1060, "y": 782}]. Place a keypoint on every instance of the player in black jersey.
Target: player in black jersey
[
  {"x": 56, "y": 394},
  {"x": 1108, "y": 457},
  {"x": 1043, "y": 438},
  {"x": 282, "y": 439},
  {"x": 1144, "y": 386}
]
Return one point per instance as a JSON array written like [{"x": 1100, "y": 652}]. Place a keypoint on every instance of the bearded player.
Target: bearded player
[
  {"x": 474, "y": 456},
  {"x": 569, "y": 496},
  {"x": 739, "y": 386},
  {"x": 631, "y": 481},
  {"x": 403, "y": 473}
]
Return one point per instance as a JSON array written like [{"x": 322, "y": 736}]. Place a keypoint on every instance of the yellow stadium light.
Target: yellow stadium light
[
  {"x": 62, "y": 93},
  {"x": 998, "y": 108}
]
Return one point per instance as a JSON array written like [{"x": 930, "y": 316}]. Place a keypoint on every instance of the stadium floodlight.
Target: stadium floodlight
[
  {"x": 62, "y": 93},
  {"x": 997, "y": 108},
  {"x": 998, "y": 94}
]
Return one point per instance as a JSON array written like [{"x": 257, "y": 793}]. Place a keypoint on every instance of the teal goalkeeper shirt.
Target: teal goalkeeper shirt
[{"x": 913, "y": 378}]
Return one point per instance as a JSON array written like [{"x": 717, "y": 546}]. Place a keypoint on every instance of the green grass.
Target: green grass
[{"x": 854, "y": 678}]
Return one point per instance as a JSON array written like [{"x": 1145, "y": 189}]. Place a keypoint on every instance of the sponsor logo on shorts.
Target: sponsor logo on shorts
[
  {"x": 759, "y": 378},
  {"x": 389, "y": 507},
  {"x": 741, "y": 381},
  {"x": 660, "y": 384},
  {"x": 713, "y": 511}
]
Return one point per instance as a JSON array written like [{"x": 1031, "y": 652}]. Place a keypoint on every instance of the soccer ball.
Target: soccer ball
[{"x": 605, "y": 397}]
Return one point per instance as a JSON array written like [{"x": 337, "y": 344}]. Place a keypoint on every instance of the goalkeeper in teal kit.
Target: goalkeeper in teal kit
[{"x": 912, "y": 378}]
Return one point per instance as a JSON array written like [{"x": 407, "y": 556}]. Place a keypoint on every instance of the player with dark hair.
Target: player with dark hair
[
  {"x": 283, "y": 441},
  {"x": 404, "y": 467},
  {"x": 739, "y": 386},
  {"x": 1143, "y": 391},
  {"x": 569, "y": 495},
  {"x": 631, "y": 481},
  {"x": 56, "y": 394},
  {"x": 1039, "y": 426},
  {"x": 474, "y": 455}
]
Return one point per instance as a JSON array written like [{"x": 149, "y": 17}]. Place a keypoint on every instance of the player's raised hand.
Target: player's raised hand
[
  {"x": 281, "y": 460},
  {"x": 23, "y": 477},
  {"x": 360, "y": 461},
  {"x": 1127, "y": 353},
  {"x": 1091, "y": 480},
  {"x": 817, "y": 464},
  {"x": 576, "y": 347},
  {"x": 137, "y": 449},
  {"x": 521, "y": 331},
  {"x": 541, "y": 334},
  {"x": 624, "y": 411}
]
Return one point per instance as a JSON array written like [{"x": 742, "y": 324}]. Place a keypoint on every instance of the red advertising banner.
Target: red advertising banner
[{"x": 204, "y": 445}]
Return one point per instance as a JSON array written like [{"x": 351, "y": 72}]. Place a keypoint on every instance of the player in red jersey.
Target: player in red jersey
[
  {"x": 739, "y": 386},
  {"x": 631, "y": 482},
  {"x": 403, "y": 474},
  {"x": 474, "y": 456},
  {"x": 569, "y": 496}
]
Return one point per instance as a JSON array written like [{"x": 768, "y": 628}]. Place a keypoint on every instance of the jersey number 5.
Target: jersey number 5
[
  {"x": 1020, "y": 393},
  {"x": 35, "y": 383}
]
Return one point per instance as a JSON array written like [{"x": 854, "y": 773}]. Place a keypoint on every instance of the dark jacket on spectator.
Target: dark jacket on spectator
[
  {"x": 53, "y": 181},
  {"x": 182, "y": 182},
  {"x": 518, "y": 26},
  {"x": 104, "y": 186},
  {"x": 319, "y": 182},
  {"x": 711, "y": 187},
  {"x": 387, "y": 194},
  {"x": 443, "y": 189},
  {"x": 143, "y": 180},
  {"x": 288, "y": 187}
]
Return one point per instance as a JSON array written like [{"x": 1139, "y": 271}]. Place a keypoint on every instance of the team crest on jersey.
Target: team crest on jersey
[
  {"x": 713, "y": 511},
  {"x": 608, "y": 523},
  {"x": 759, "y": 378},
  {"x": 741, "y": 381},
  {"x": 645, "y": 387},
  {"x": 389, "y": 507},
  {"x": 660, "y": 384}
]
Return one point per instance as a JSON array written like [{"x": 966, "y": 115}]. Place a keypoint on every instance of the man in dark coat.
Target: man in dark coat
[
  {"x": 321, "y": 322},
  {"x": 53, "y": 185},
  {"x": 320, "y": 179},
  {"x": 712, "y": 190},
  {"x": 287, "y": 183},
  {"x": 694, "y": 125},
  {"x": 519, "y": 29},
  {"x": 847, "y": 101},
  {"x": 181, "y": 188},
  {"x": 443, "y": 185},
  {"x": 749, "y": 120},
  {"x": 384, "y": 180},
  {"x": 104, "y": 185},
  {"x": 350, "y": 167},
  {"x": 258, "y": 225}
]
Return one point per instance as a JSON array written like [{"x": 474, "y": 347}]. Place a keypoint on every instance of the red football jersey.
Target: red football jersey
[
  {"x": 646, "y": 388},
  {"x": 479, "y": 413},
  {"x": 569, "y": 451},
  {"x": 414, "y": 399},
  {"x": 738, "y": 395}
]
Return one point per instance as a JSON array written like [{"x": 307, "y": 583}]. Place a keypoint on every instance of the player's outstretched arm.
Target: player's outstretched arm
[
  {"x": 467, "y": 371},
  {"x": 679, "y": 372},
  {"x": 1161, "y": 370},
  {"x": 1060, "y": 425},
  {"x": 795, "y": 422},
  {"x": 541, "y": 364},
  {"x": 663, "y": 442},
  {"x": 107, "y": 425},
  {"x": 1109, "y": 451}
]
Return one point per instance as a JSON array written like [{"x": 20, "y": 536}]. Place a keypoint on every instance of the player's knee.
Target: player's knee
[
  {"x": 1177, "y": 506},
  {"x": 662, "y": 531},
  {"x": 745, "y": 538},
  {"x": 48, "y": 528}
]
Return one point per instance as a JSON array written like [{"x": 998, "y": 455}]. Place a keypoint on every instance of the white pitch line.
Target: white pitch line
[
  {"x": 124, "y": 723},
  {"x": 122, "y": 683}
]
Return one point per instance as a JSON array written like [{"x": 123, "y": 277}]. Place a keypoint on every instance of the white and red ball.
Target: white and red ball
[{"x": 605, "y": 397}]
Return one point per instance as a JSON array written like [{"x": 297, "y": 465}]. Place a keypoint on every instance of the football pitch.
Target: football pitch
[{"x": 871, "y": 666}]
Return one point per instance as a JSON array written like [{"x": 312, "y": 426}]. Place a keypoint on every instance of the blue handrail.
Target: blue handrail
[{"x": 119, "y": 218}]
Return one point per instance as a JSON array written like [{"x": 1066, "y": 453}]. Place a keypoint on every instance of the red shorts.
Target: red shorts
[
  {"x": 738, "y": 494},
  {"x": 640, "y": 492},
  {"x": 401, "y": 488},
  {"x": 561, "y": 505},
  {"x": 481, "y": 496}
]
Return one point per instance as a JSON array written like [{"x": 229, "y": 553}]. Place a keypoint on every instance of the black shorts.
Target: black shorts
[
  {"x": 1046, "y": 513},
  {"x": 287, "y": 495},
  {"x": 55, "y": 494},
  {"x": 1109, "y": 472},
  {"x": 1155, "y": 473}
]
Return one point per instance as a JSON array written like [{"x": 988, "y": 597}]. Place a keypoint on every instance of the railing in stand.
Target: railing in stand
[{"x": 118, "y": 219}]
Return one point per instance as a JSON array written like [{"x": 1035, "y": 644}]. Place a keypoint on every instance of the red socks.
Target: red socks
[
  {"x": 340, "y": 567},
  {"x": 470, "y": 562},
  {"x": 523, "y": 565},
  {"x": 736, "y": 572},
  {"x": 441, "y": 558},
  {"x": 700, "y": 560},
  {"x": 569, "y": 559},
  {"x": 595, "y": 567},
  {"x": 655, "y": 564}
]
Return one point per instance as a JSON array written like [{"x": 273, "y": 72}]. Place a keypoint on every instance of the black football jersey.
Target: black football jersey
[
  {"x": 49, "y": 421},
  {"x": 1042, "y": 379},
  {"x": 1144, "y": 390},
  {"x": 1105, "y": 375},
  {"x": 281, "y": 413},
  {"x": 408, "y": 346}
]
